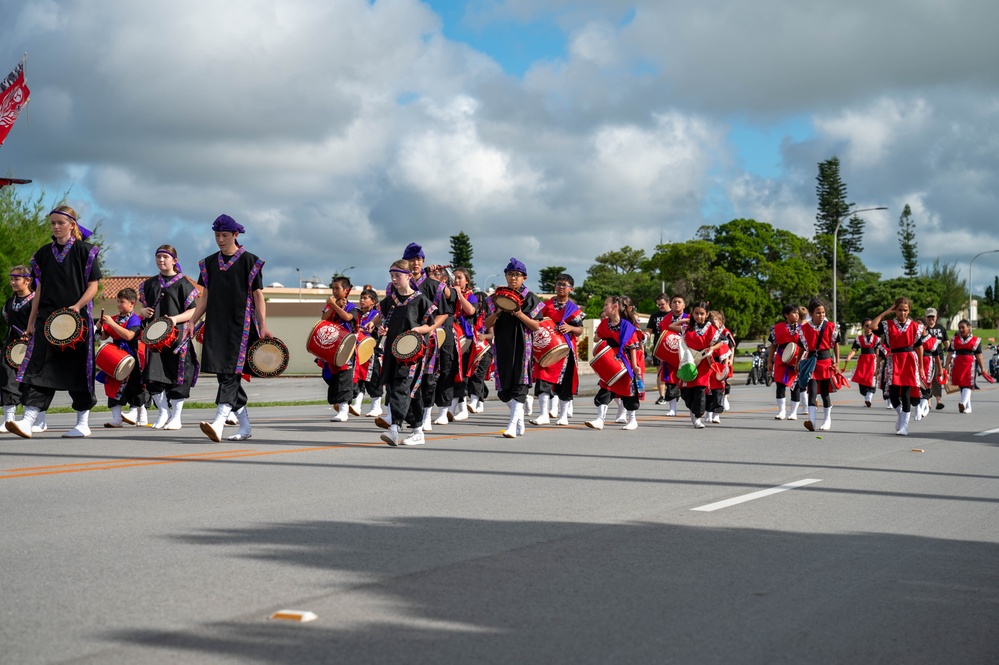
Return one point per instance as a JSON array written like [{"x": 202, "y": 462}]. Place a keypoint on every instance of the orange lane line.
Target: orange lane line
[{"x": 111, "y": 461}]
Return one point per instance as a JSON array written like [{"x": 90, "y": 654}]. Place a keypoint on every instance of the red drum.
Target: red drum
[
  {"x": 64, "y": 328},
  {"x": 610, "y": 369},
  {"x": 507, "y": 299},
  {"x": 331, "y": 343},
  {"x": 408, "y": 348},
  {"x": 549, "y": 345},
  {"x": 160, "y": 334},
  {"x": 366, "y": 346},
  {"x": 838, "y": 381},
  {"x": 114, "y": 361},
  {"x": 668, "y": 348},
  {"x": 479, "y": 352},
  {"x": 441, "y": 337},
  {"x": 721, "y": 370},
  {"x": 267, "y": 357},
  {"x": 790, "y": 354},
  {"x": 199, "y": 333},
  {"x": 14, "y": 353}
]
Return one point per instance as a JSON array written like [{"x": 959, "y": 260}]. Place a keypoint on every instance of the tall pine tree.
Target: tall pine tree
[
  {"x": 907, "y": 242},
  {"x": 831, "y": 191},
  {"x": 461, "y": 253}
]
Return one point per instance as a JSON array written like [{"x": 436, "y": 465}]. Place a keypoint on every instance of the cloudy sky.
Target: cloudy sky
[{"x": 337, "y": 131}]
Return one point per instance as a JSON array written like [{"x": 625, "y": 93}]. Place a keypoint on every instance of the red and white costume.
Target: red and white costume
[
  {"x": 867, "y": 361},
  {"x": 963, "y": 369},
  {"x": 902, "y": 339},
  {"x": 820, "y": 339}
]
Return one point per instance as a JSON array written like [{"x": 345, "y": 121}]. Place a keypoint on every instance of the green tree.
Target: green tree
[
  {"x": 907, "y": 242},
  {"x": 461, "y": 253},
  {"x": 833, "y": 207},
  {"x": 24, "y": 227},
  {"x": 617, "y": 272},
  {"x": 546, "y": 278},
  {"x": 953, "y": 291}
]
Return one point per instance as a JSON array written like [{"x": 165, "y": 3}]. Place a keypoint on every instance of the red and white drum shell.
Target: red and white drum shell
[
  {"x": 331, "y": 343},
  {"x": 550, "y": 346},
  {"x": 479, "y": 352},
  {"x": 64, "y": 328},
  {"x": 114, "y": 361},
  {"x": 611, "y": 370},
  {"x": 508, "y": 299},
  {"x": 790, "y": 355},
  {"x": 408, "y": 348},
  {"x": 366, "y": 345},
  {"x": 14, "y": 352},
  {"x": 668, "y": 348},
  {"x": 160, "y": 334},
  {"x": 267, "y": 357}
]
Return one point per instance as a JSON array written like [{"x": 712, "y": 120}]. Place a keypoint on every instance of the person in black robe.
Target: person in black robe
[
  {"x": 232, "y": 301},
  {"x": 170, "y": 373},
  {"x": 439, "y": 359},
  {"x": 15, "y": 313},
  {"x": 512, "y": 344},
  {"x": 67, "y": 274},
  {"x": 403, "y": 309}
]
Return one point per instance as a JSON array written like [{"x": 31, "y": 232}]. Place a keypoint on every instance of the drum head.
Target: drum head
[
  {"x": 441, "y": 336},
  {"x": 346, "y": 350},
  {"x": 157, "y": 330},
  {"x": 406, "y": 345},
  {"x": 555, "y": 355},
  {"x": 268, "y": 357},
  {"x": 63, "y": 326},
  {"x": 15, "y": 353},
  {"x": 365, "y": 349},
  {"x": 506, "y": 303},
  {"x": 789, "y": 353},
  {"x": 124, "y": 368}
]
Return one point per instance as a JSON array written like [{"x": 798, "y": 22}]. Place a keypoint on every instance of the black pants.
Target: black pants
[
  {"x": 672, "y": 391},
  {"x": 41, "y": 398},
  {"x": 231, "y": 391},
  {"x": 795, "y": 392},
  {"x": 695, "y": 397},
  {"x": 133, "y": 393},
  {"x": 604, "y": 397},
  {"x": 562, "y": 390},
  {"x": 864, "y": 390},
  {"x": 340, "y": 386},
  {"x": 899, "y": 396},
  {"x": 821, "y": 388},
  {"x": 517, "y": 393},
  {"x": 172, "y": 392},
  {"x": 404, "y": 409},
  {"x": 476, "y": 384},
  {"x": 446, "y": 369},
  {"x": 714, "y": 401}
]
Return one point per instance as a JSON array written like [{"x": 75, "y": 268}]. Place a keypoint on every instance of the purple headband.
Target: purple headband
[
  {"x": 413, "y": 251},
  {"x": 227, "y": 223},
  {"x": 401, "y": 271},
  {"x": 516, "y": 266},
  {"x": 64, "y": 214},
  {"x": 17, "y": 274},
  {"x": 176, "y": 261},
  {"x": 84, "y": 231}
]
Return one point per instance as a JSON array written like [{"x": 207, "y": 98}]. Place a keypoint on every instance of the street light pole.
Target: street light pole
[
  {"x": 849, "y": 213},
  {"x": 970, "y": 287},
  {"x": 299, "y": 271}
]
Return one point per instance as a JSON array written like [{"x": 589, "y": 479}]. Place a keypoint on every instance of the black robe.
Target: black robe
[
  {"x": 15, "y": 312},
  {"x": 167, "y": 367},
  {"x": 231, "y": 318},
  {"x": 418, "y": 310},
  {"x": 63, "y": 282},
  {"x": 512, "y": 343}
]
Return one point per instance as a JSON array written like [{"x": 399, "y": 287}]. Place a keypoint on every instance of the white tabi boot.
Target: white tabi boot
[
  {"x": 793, "y": 411},
  {"x": 8, "y": 417},
  {"x": 964, "y": 406},
  {"x": 461, "y": 412},
  {"x": 341, "y": 415},
  {"x": 40, "y": 424},
  {"x": 245, "y": 431},
  {"x": 903, "y": 430},
  {"x": 529, "y": 405},
  {"x": 632, "y": 421},
  {"x": 516, "y": 416},
  {"x": 442, "y": 418},
  {"x": 570, "y": 409},
  {"x": 598, "y": 422},
  {"x": 130, "y": 416},
  {"x": 810, "y": 423},
  {"x": 452, "y": 410},
  {"x": 82, "y": 428},
  {"x": 563, "y": 413},
  {"x": 162, "y": 410},
  {"x": 385, "y": 420},
  {"x": 355, "y": 406},
  {"x": 672, "y": 408},
  {"x": 376, "y": 407},
  {"x": 473, "y": 403},
  {"x": 698, "y": 423},
  {"x": 826, "y": 419},
  {"x": 622, "y": 413},
  {"x": 715, "y": 417},
  {"x": 544, "y": 406},
  {"x": 414, "y": 439},
  {"x": 213, "y": 430},
  {"x": 868, "y": 396},
  {"x": 428, "y": 415},
  {"x": 141, "y": 417},
  {"x": 781, "y": 408},
  {"x": 919, "y": 411},
  {"x": 116, "y": 420},
  {"x": 25, "y": 426},
  {"x": 174, "y": 422},
  {"x": 231, "y": 419},
  {"x": 898, "y": 419},
  {"x": 553, "y": 409},
  {"x": 391, "y": 437},
  {"x": 725, "y": 405}
]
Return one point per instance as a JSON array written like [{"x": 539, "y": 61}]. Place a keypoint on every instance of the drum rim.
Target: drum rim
[
  {"x": 545, "y": 362},
  {"x": 342, "y": 353},
  {"x": 8, "y": 358},
  {"x": 268, "y": 341},
  {"x": 408, "y": 334},
  {"x": 69, "y": 341}
]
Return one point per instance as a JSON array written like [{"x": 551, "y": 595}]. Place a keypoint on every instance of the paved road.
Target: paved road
[{"x": 564, "y": 546}]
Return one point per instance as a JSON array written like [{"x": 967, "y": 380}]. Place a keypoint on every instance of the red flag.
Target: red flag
[{"x": 13, "y": 97}]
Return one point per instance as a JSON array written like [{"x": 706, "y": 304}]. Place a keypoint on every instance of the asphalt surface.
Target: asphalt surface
[{"x": 567, "y": 545}]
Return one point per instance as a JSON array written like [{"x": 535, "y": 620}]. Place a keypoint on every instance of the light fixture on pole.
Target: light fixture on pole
[
  {"x": 970, "y": 287},
  {"x": 850, "y": 213},
  {"x": 299, "y": 271}
]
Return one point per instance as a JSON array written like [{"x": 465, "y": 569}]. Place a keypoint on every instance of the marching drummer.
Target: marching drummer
[
  {"x": 67, "y": 274},
  {"x": 124, "y": 329},
  {"x": 667, "y": 380},
  {"x": 465, "y": 314},
  {"x": 785, "y": 345},
  {"x": 366, "y": 373},
  {"x": 403, "y": 310},
  {"x": 513, "y": 324},
  {"x": 170, "y": 371},
  {"x": 864, "y": 373},
  {"x": 15, "y": 312},
  {"x": 232, "y": 302},
  {"x": 619, "y": 328},
  {"x": 340, "y": 311},
  {"x": 560, "y": 379},
  {"x": 821, "y": 342},
  {"x": 699, "y": 335}
]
